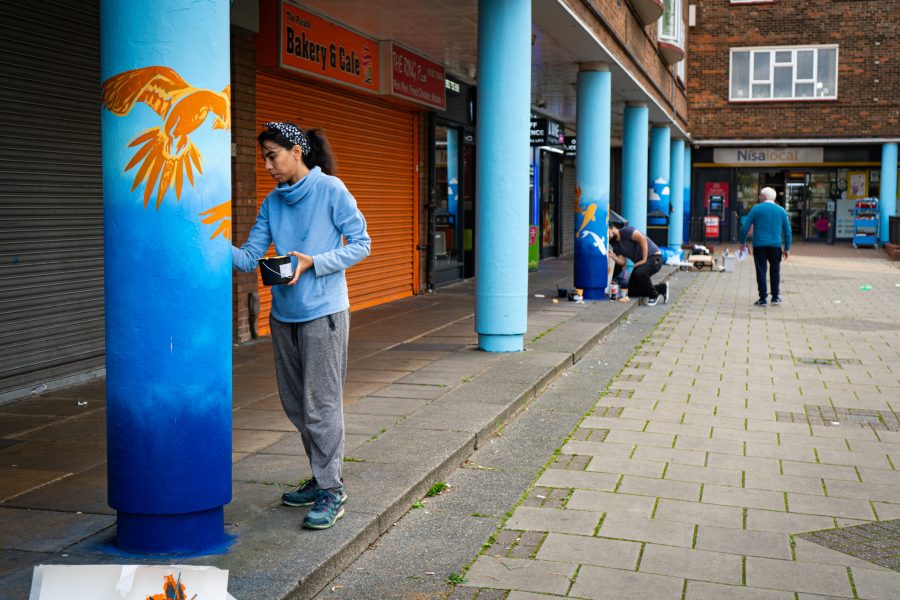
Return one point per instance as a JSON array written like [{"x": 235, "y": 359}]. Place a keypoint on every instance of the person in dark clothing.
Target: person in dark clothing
[{"x": 629, "y": 243}]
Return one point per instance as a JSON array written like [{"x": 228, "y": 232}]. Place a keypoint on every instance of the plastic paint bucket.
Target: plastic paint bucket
[{"x": 276, "y": 270}]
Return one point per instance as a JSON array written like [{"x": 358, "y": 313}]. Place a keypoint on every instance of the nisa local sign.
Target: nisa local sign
[
  {"x": 319, "y": 47},
  {"x": 768, "y": 156}
]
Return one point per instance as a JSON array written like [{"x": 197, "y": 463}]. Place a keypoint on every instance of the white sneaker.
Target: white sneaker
[
  {"x": 652, "y": 301},
  {"x": 666, "y": 295}
]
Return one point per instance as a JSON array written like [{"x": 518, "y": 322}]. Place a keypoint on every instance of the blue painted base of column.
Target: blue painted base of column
[
  {"x": 501, "y": 343},
  {"x": 186, "y": 533},
  {"x": 594, "y": 294}
]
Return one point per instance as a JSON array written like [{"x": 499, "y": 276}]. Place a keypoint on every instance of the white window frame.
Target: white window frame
[
  {"x": 770, "y": 78},
  {"x": 677, "y": 37}
]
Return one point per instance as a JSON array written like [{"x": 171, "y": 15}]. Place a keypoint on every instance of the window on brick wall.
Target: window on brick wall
[
  {"x": 670, "y": 25},
  {"x": 783, "y": 73}
]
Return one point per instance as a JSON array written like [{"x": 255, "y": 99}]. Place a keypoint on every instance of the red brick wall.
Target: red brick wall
[
  {"x": 634, "y": 45},
  {"x": 243, "y": 168},
  {"x": 868, "y": 35}
]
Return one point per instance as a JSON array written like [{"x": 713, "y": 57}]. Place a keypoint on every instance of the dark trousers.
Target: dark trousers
[
  {"x": 639, "y": 284},
  {"x": 771, "y": 255}
]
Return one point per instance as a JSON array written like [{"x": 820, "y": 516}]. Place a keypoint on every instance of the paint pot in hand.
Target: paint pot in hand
[{"x": 276, "y": 270}]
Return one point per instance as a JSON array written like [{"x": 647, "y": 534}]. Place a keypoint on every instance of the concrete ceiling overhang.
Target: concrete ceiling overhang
[{"x": 447, "y": 32}]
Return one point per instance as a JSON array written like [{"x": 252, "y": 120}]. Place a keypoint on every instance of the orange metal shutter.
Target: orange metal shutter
[{"x": 374, "y": 144}]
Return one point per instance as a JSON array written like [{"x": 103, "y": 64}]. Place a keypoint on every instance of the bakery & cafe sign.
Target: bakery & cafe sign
[{"x": 316, "y": 46}]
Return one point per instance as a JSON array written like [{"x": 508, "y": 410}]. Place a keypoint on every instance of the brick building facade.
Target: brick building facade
[{"x": 802, "y": 96}]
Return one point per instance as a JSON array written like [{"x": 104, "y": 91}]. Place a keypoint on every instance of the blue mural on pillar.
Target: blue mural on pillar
[
  {"x": 594, "y": 115},
  {"x": 167, "y": 223}
]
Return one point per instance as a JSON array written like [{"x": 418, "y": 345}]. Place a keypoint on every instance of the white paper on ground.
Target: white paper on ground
[{"x": 126, "y": 582}]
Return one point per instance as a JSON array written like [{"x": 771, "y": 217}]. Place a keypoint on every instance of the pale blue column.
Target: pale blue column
[
  {"x": 504, "y": 102},
  {"x": 687, "y": 193},
  {"x": 888, "y": 200},
  {"x": 676, "y": 220},
  {"x": 594, "y": 114},
  {"x": 634, "y": 164},
  {"x": 658, "y": 191},
  {"x": 167, "y": 270}
]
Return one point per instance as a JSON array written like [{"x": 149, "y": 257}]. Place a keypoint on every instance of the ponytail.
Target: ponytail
[{"x": 320, "y": 153}]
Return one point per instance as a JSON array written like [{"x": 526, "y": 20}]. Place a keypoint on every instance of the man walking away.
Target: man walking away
[{"x": 771, "y": 231}]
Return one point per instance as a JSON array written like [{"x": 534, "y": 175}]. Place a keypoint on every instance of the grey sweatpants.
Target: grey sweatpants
[{"x": 310, "y": 367}]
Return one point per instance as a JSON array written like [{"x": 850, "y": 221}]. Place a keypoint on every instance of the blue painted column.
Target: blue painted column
[
  {"x": 687, "y": 193},
  {"x": 677, "y": 194},
  {"x": 167, "y": 270},
  {"x": 658, "y": 191},
  {"x": 504, "y": 117},
  {"x": 888, "y": 200},
  {"x": 594, "y": 115},
  {"x": 634, "y": 164}
]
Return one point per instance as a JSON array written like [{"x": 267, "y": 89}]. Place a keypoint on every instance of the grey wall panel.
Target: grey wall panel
[{"x": 51, "y": 210}]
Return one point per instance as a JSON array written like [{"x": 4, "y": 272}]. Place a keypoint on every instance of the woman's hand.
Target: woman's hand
[{"x": 304, "y": 263}]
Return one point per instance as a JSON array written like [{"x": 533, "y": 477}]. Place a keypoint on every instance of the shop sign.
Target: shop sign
[
  {"x": 413, "y": 77},
  {"x": 768, "y": 156},
  {"x": 569, "y": 145},
  {"x": 712, "y": 226},
  {"x": 319, "y": 47},
  {"x": 546, "y": 132}
]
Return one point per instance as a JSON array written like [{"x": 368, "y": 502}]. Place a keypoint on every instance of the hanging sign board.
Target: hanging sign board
[
  {"x": 546, "y": 132},
  {"x": 318, "y": 47},
  {"x": 413, "y": 77}
]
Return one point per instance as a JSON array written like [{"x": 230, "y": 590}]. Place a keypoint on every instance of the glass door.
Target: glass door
[
  {"x": 817, "y": 218},
  {"x": 795, "y": 195},
  {"x": 447, "y": 243}
]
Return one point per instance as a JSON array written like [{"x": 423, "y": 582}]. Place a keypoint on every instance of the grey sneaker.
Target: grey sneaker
[
  {"x": 652, "y": 301},
  {"x": 304, "y": 496},
  {"x": 328, "y": 508}
]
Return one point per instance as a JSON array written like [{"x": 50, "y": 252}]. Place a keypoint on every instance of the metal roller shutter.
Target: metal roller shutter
[
  {"x": 51, "y": 211},
  {"x": 375, "y": 146}
]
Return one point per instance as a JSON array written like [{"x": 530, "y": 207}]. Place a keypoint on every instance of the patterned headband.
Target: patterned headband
[{"x": 294, "y": 134}]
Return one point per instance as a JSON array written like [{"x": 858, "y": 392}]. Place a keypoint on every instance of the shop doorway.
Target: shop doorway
[
  {"x": 468, "y": 199},
  {"x": 448, "y": 230},
  {"x": 550, "y": 180}
]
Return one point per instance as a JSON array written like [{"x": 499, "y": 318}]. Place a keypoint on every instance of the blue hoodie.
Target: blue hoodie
[
  {"x": 771, "y": 226},
  {"x": 311, "y": 217}
]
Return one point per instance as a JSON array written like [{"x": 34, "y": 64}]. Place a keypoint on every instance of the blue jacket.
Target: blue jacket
[
  {"x": 771, "y": 226},
  {"x": 310, "y": 217}
]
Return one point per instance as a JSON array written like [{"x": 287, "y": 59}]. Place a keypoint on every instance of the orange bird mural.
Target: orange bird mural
[{"x": 166, "y": 154}]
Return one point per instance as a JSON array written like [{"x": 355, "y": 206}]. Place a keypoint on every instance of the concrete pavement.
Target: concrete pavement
[
  {"x": 420, "y": 400},
  {"x": 743, "y": 452}
]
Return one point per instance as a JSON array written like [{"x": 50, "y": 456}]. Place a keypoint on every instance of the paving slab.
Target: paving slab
[
  {"x": 701, "y": 565},
  {"x": 517, "y": 574},
  {"x": 596, "y": 582}
]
